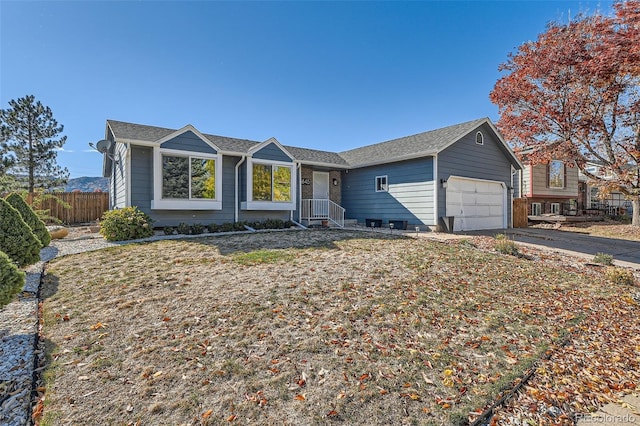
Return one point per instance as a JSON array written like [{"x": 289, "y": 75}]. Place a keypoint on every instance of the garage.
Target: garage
[{"x": 476, "y": 204}]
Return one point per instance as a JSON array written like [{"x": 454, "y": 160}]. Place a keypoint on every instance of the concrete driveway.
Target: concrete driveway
[{"x": 625, "y": 253}]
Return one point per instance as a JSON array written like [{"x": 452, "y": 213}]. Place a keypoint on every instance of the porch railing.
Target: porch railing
[{"x": 318, "y": 209}]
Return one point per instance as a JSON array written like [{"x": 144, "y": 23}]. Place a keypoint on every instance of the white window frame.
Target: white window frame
[
  {"x": 269, "y": 205},
  {"x": 382, "y": 183},
  {"x": 555, "y": 208},
  {"x": 479, "y": 140},
  {"x": 534, "y": 207},
  {"x": 159, "y": 203}
]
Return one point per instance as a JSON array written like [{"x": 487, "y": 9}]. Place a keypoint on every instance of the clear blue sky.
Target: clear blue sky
[{"x": 324, "y": 75}]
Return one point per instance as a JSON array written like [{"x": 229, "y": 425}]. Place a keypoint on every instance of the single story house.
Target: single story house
[{"x": 465, "y": 172}]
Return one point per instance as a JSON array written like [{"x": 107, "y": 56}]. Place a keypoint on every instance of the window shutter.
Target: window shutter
[{"x": 564, "y": 182}]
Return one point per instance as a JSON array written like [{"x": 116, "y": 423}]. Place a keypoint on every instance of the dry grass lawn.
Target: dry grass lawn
[
  {"x": 607, "y": 229},
  {"x": 302, "y": 327}
]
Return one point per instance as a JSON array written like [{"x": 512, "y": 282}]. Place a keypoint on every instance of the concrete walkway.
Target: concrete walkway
[{"x": 624, "y": 412}]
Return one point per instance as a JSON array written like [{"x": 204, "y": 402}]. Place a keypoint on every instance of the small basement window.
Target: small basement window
[
  {"x": 536, "y": 209},
  {"x": 381, "y": 184},
  {"x": 479, "y": 138}
]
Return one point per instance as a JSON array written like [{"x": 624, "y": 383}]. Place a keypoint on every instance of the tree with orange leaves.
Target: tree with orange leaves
[{"x": 574, "y": 95}]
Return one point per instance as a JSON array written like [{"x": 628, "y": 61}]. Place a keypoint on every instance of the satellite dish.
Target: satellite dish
[{"x": 103, "y": 146}]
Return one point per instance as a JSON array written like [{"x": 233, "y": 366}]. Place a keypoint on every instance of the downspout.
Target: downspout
[
  {"x": 298, "y": 172},
  {"x": 436, "y": 183},
  {"x": 126, "y": 174},
  {"x": 236, "y": 213}
]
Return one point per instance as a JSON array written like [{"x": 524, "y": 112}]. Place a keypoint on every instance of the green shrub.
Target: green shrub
[
  {"x": 620, "y": 276},
  {"x": 169, "y": 230},
  {"x": 506, "y": 246},
  {"x": 127, "y": 223},
  {"x": 227, "y": 227},
  {"x": 197, "y": 228},
  {"x": 28, "y": 215},
  {"x": 11, "y": 279},
  {"x": 16, "y": 238},
  {"x": 214, "y": 227},
  {"x": 274, "y": 224},
  {"x": 183, "y": 228},
  {"x": 603, "y": 259}
]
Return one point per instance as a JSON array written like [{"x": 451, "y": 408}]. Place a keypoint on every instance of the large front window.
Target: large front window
[
  {"x": 271, "y": 182},
  {"x": 188, "y": 178}
]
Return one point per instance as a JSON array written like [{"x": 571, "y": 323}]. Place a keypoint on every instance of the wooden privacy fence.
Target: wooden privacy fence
[
  {"x": 83, "y": 207},
  {"x": 520, "y": 218}
]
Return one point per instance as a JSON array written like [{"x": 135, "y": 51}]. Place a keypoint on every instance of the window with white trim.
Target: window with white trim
[
  {"x": 381, "y": 184},
  {"x": 536, "y": 209},
  {"x": 271, "y": 182},
  {"x": 188, "y": 177},
  {"x": 555, "y": 208},
  {"x": 186, "y": 180},
  {"x": 479, "y": 138}
]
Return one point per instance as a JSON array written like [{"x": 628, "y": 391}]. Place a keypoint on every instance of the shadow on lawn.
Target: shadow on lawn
[
  {"x": 49, "y": 286},
  {"x": 282, "y": 240}
]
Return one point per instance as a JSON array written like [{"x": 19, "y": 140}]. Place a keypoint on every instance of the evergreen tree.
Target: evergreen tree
[
  {"x": 28, "y": 215},
  {"x": 16, "y": 238},
  {"x": 30, "y": 136}
]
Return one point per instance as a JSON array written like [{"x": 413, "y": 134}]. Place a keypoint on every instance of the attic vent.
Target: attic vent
[{"x": 479, "y": 138}]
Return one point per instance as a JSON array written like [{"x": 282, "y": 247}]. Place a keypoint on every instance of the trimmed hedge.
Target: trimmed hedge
[
  {"x": 127, "y": 223},
  {"x": 37, "y": 225},
  {"x": 16, "y": 238},
  {"x": 11, "y": 279}
]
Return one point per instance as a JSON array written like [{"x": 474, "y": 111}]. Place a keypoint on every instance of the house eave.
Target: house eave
[
  {"x": 325, "y": 165},
  {"x": 394, "y": 160}
]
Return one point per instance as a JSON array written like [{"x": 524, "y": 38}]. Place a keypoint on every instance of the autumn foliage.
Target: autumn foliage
[{"x": 575, "y": 92}]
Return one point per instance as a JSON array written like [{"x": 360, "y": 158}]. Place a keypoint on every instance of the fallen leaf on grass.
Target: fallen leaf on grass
[
  {"x": 300, "y": 397},
  {"x": 97, "y": 326}
]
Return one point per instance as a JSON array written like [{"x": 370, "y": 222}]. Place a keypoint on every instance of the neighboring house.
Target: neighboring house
[
  {"x": 551, "y": 188},
  {"x": 465, "y": 171},
  {"x": 615, "y": 203}
]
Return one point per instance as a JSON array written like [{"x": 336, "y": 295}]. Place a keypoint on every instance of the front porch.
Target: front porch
[
  {"x": 316, "y": 211},
  {"x": 321, "y": 195}
]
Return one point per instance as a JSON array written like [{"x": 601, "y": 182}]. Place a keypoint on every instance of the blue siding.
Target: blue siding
[
  {"x": 141, "y": 177},
  {"x": 188, "y": 141},
  {"x": 466, "y": 158},
  {"x": 410, "y": 195},
  {"x": 273, "y": 153}
]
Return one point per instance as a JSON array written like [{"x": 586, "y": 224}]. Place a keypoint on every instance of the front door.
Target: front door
[{"x": 320, "y": 194}]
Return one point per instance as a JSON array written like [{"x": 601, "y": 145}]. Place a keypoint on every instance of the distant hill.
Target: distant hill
[{"x": 87, "y": 184}]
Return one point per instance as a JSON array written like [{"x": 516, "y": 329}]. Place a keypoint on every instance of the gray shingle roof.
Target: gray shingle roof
[
  {"x": 141, "y": 132},
  {"x": 413, "y": 146},
  {"x": 421, "y": 144},
  {"x": 317, "y": 157}
]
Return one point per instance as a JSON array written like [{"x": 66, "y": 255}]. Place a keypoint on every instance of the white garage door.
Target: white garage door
[{"x": 476, "y": 204}]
